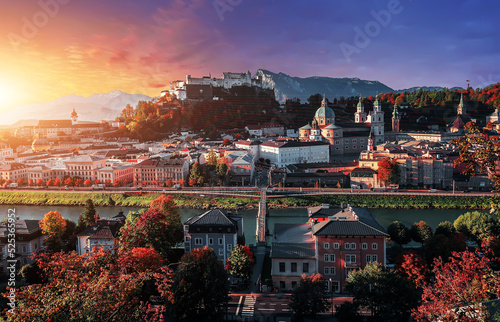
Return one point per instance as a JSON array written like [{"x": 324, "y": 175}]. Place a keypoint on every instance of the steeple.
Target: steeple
[
  {"x": 360, "y": 115},
  {"x": 376, "y": 105},
  {"x": 370, "y": 143},
  {"x": 461, "y": 110},
  {"x": 74, "y": 117},
  {"x": 395, "y": 119},
  {"x": 323, "y": 102}
]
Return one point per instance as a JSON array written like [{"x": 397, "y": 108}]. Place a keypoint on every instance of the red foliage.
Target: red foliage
[
  {"x": 57, "y": 182},
  {"x": 414, "y": 267},
  {"x": 87, "y": 183}
]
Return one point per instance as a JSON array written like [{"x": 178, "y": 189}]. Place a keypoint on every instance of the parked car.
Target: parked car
[{"x": 432, "y": 190}]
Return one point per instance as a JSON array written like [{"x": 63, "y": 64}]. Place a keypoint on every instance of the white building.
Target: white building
[{"x": 281, "y": 154}]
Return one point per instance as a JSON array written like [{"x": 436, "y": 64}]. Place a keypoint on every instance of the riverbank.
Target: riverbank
[{"x": 143, "y": 199}]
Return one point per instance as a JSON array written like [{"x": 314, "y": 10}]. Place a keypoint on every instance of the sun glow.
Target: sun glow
[{"x": 8, "y": 96}]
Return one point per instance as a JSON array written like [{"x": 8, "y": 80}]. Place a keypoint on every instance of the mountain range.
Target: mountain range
[
  {"x": 108, "y": 106},
  {"x": 96, "y": 107}
]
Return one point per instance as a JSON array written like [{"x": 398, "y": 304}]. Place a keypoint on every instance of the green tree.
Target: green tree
[
  {"x": 200, "y": 287},
  {"x": 421, "y": 232},
  {"x": 389, "y": 296},
  {"x": 197, "y": 173},
  {"x": 240, "y": 263},
  {"x": 477, "y": 225},
  {"x": 441, "y": 246},
  {"x": 445, "y": 228},
  {"x": 87, "y": 218},
  {"x": 399, "y": 233},
  {"x": 221, "y": 170},
  {"x": 309, "y": 297}
]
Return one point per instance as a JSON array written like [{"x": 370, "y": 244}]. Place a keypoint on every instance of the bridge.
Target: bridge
[{"x": 262, "y": 218}]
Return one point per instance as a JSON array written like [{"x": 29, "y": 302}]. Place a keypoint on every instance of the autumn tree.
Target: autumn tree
[
  {"x": 169, "y": 183},
  {"x": 57, "y": 182},
  {"x": 221, "y": 170},
  {"x": 389, "y": 296},
  {"x": 159, "y": 227},
  {"x": 240, "y": 263},
  {"x": 200, "y": 287},
  {"x": 458, "y": 288},
  {"x": 421, "y": 232},
  {"x": 104, "y": 286},
  {"x": 226, "y": 142},
  {"x": 309, "y": 297},
  {"x": 399, "y": 233},
  {"x": 117, "y": 183},
  {"x": 20, "y": 181},
  {"x": 197, "y": 174},
  {"x": 78, "y": 182},
  {"x": 477, "y": 225},
  {"x": 478, "y": 153},
  {"x": 49, "y": 183},
  {"x": 413, "y": 267},
  {"x": 53, "y": 224},
  {"x": 87, "y": 183},
  {"x": 68, "y": 181},
  {"x": 442, "y": 246},
  {"x": 39, "y": 182},
  {"x": 87, "y": 217},
  {"x": 388, "y": 171},
  {"x": 31, "y": 182},
  {"x": 212, "y": 158}
]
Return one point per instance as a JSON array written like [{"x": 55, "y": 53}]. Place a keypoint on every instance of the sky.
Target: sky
[{"x": 54, "y": 48}]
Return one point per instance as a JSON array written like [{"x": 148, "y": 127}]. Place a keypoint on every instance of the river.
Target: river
[{"x": 384, "y": 216}]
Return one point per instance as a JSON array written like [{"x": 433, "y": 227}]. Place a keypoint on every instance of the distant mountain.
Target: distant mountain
[
  {"x": 96, "y": 107},
  {"x": 287, "y": 87},
  {"x": 425, "y": 88}
]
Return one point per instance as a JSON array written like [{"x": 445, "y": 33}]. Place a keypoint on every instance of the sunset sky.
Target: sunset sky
[{"x": 52, "y": 48}]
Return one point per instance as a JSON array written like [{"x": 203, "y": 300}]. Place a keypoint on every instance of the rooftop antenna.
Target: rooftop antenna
[{"x": 468, "y": 84}]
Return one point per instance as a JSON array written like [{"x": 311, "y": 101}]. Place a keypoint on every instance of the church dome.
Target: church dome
[
  {"x": 73, "y": 114},
  {"x": 324, "y": 110}
]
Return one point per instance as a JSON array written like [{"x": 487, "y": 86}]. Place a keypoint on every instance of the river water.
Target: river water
[{"x": 384, "y": 216}]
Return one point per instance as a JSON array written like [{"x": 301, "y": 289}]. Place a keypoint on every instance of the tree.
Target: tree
[
  {"x": 87, "y": 218},
  {"x": 200, "y": 287},
  {"x": 388, "y": 171},
  {"x": 221, "y": 170},
  {"x": 478, "y": 152},
  {"x": 31, "y": 182},
  {"x": 87, "y": 183},
  {"x": 212, "y": 158},
  {"x": 445, "y": 228},
  {"x": 413, "y": 267},
  {"x": 68, "y": 181},
  {"x": 104, "y": 286},
  {"x": 399, "y": 233},
  {"x": 108, "y": 182},
  {"x": 20, "y": 181},
  {"x": 421, "y": 232},
  {"x": 309, "y": 297},
  {"x": 442, "y": 246},
  {"x": 196, "y": 173},
  {"x": 39, "y": 182},
  {"x": 476, "y": 225},
  {"x": 347, "y": 312},
  {"x": 159, "y": 227},
  {"x": 169, "y": 183},
  {"x": 459, "y": 286},
  {"x": 57, "y": 182},
  {"x": 78, "y": 182},
  {"x": 49, "y": 183},
  {"x": 226, "y": 142},
  {"x": 240, "y": 263},
  {"x": 389, "y": 296},
  {"x": 53, "y": 224},
  {"x": 117, "y": 183}
]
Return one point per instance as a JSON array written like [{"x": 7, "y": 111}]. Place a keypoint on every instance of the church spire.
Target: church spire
[{"x": 461, "y": 110}]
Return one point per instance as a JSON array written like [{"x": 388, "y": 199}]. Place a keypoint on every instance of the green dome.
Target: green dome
[{"x": 324, "y": 111}]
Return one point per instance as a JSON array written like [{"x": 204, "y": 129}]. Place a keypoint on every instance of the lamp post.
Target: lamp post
[{"x": 331, "y": 288}]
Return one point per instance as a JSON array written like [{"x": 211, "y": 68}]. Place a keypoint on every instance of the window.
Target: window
[
  {"x": 353, "y": 245},
  {"x": 371, "y": 258},
  {"x": 332, "y": 258},
  {"x": 221, "y": 252},
  {"x": 25, "y": 249},
  {"x": 364, "y": 246},
  {"x": 282, "y": 284},
  {"x": 326, "y": 245},
  {"x": 220, "y": 241},
  {"x": 294, "y": 268},
  {"x": 336, "y": 246},
  {"x": 350, "y": 258},
  {"x": 374, "y": 246},
  {"x": 198, "y": 241},
  {"x": 210, "y": 241},
  {"x": 327, "y": 257},
  {"x": 335, "y": 286},
  {"x": 347, "y": 245},
  {"x": 294, "y": 283},
  {"x": 229, "y": 247},
  {"x": 282, "y": 267},
  {"x": 305, "y": 267},
  {"x": 329, "y": 270}
]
